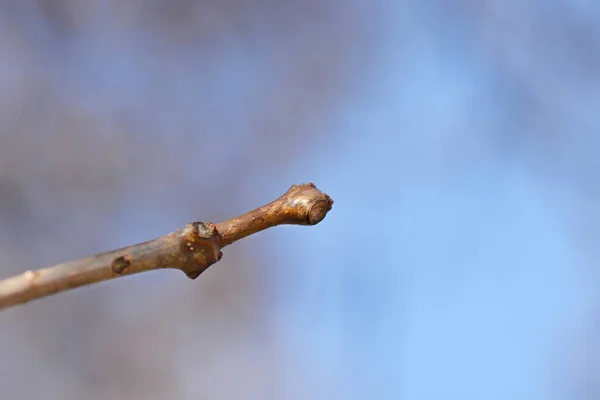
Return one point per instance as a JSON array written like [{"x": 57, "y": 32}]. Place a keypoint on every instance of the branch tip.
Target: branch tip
[{"x": 301, "y": 205}]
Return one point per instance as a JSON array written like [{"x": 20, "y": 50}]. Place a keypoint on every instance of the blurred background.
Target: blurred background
[{"x": 458, "y": 139}]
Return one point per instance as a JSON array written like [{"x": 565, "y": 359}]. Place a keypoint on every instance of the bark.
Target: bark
[{"x": 191, "y": 249}]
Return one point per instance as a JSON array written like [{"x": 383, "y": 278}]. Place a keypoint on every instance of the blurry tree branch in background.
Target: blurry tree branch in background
[{"x": 191, "y": 249}]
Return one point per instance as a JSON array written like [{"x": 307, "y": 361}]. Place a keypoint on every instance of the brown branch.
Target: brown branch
[{"x": 191, "y": 249}]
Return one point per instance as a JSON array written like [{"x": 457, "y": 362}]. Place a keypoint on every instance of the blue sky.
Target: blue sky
[{"x": 444, "y": 269}]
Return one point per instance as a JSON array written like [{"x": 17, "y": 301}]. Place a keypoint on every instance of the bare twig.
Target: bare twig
[{"x": 191, "y": 249}]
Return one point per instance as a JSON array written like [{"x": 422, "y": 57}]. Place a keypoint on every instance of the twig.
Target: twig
[{"x": 191, "y": 249}]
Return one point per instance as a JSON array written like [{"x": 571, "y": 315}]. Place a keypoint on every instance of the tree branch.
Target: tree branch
[{"x": 191, "y": 249}]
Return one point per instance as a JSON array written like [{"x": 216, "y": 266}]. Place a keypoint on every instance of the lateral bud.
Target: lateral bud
[{"x": 200, "y": 245}]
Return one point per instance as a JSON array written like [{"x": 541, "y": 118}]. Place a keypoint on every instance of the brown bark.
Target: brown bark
[{"x": 191, "y": 249}]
